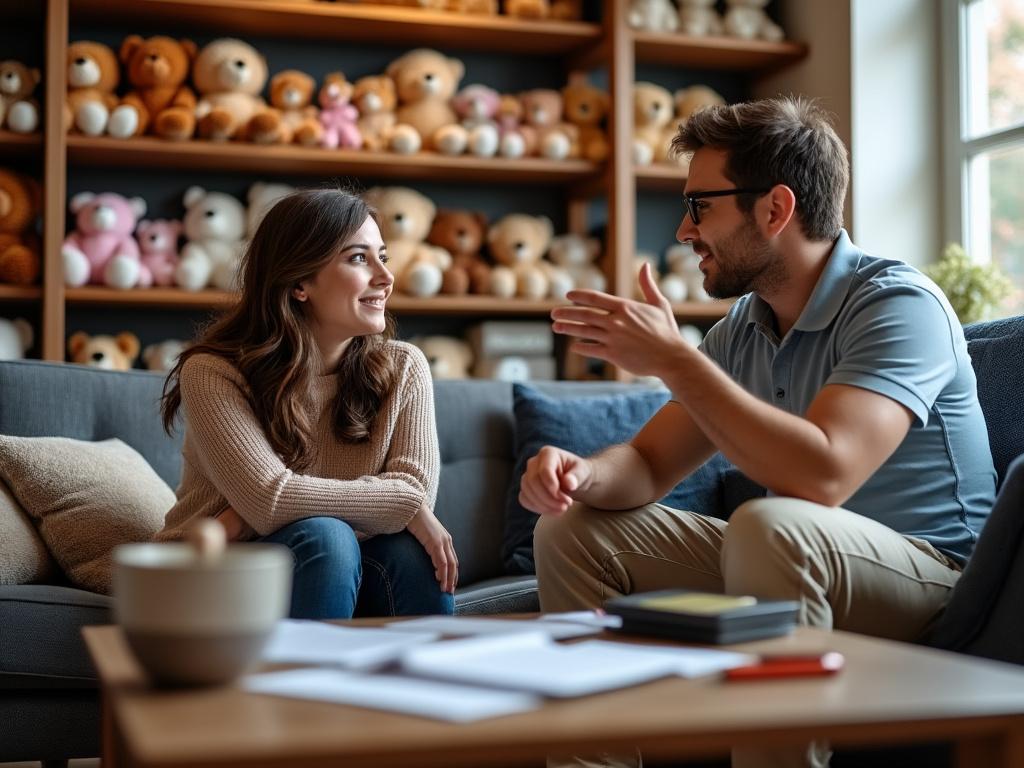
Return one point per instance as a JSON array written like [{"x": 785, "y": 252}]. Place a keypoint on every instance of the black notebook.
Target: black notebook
[{"x": 703, "y": 617}]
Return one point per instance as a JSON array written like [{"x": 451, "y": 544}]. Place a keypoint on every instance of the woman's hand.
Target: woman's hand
[
  {"x": 234, "y": 526},
  {"x": 438, "y": 542}
]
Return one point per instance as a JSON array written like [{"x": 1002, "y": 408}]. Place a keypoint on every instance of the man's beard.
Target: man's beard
[{"x": 742, "y": 262}]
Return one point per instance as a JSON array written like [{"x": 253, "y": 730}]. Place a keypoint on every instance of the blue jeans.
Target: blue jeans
[{"x": 337, "y": 577}]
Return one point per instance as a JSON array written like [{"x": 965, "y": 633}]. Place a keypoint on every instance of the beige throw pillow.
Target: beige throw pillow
[
  {"x": 85, "y": 498},
  {"x": 23, "y": 556}
]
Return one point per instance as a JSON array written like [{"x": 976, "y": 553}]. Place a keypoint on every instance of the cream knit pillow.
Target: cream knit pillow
[
  {"x": 23, "y": 556},
  {"x": 85, "y": 498}
]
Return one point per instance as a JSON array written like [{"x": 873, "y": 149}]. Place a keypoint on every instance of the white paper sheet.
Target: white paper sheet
[
  {"x": 465, "y": 626},
  {"x": 688, "y": 662},
  {"x": 314, "y": 642},
  {"x": 588, "y": 618},
  {"x": 426, "y": 698}
]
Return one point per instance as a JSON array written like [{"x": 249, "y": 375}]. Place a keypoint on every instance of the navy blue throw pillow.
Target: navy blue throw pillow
[{"x": 586, "y": 425}]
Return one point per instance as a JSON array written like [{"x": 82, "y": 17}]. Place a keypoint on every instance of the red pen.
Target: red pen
[{"x": 805, "y": 665}]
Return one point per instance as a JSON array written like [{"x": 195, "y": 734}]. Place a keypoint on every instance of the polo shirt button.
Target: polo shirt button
[{"x": 780, "y": 393}]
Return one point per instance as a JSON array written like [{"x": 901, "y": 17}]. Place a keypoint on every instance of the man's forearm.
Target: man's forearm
[{"x": 621, "y": 479}]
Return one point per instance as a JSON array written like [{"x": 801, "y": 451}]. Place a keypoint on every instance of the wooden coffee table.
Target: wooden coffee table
[{"x": 888, "y": 693}]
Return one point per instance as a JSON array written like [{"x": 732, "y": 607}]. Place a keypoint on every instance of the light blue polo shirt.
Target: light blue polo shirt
[{"x": 883, "y": 326}]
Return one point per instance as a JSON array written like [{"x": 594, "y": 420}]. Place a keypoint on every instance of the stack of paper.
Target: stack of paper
[{"x": 318, "y": 643}]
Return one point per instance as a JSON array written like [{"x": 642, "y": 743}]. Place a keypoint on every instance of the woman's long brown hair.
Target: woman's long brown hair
[{"x": 266, "y": 336}]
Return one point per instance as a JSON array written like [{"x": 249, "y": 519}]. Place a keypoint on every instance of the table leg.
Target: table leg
[
  {"x": 109, "y": 739},
  {"x": 1003, "y": 750}
]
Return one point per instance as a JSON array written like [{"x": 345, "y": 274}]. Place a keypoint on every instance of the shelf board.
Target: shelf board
[
  {"x": 19, "y": 144},
  {"x": 175, "y": 298},
  {"x": 715, "y": 52},
  {"x": 393, "y": 26},
  {"x": 20, "y": 292},
  {"x": 314, "y": 161},
  {"x": 661, "y": 177}
]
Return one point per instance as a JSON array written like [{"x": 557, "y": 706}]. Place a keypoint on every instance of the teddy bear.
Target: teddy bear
[
  {"x": 160, "y": 101},
  {"x": 516, "y": 138},
  {"x": 477, "y": 7},
  {"x": 518, "y": 243},
  {"x": 112, "y": 353},
  {"x": 425, "y": 82},
  {"x": 92, "y": 76},
  {"x": 683, "y": 279},
  {"x": 376, "y": 100},
  {"x": 405, "y": 219},
  {"x": 477, "y": 131},
  {"x": 577, "y": 256},
  {"x": 447, "y": 356},
  {"x": 214, "y": 225},
  {"x": 19, "y": 112},
  {"x": 562, "y": 10},
  {"x": 292, "y": 117},
  {"x": 653, "y": 15},
  {"x": 158, "y": 251},
  {"x": 164, "y": 355},
  {"x": 687, "y": 101},
  {"x": 747, "y": 19},
  {"x": 101, "y": 249},
  {"x": 462, "y": 234},
  {"x": 261, "y": 198},
  {"x": 338, "y": 117},
  {"x": 20, "y": 204},
  {"x": 699, "y": 18},
  {"x": 653, "y": 111},
  {"x": 542, "y": 110},
  {"x": 229, "y": 76},
  {"x": 586, "y": 107},
  {"x": 16, "y": 337}
]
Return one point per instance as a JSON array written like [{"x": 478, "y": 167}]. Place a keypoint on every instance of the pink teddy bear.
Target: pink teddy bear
[
  {"x": 158, "y": 241},
  {"x": 101, "y": 249},
  {"x": 337, "y": 116}
]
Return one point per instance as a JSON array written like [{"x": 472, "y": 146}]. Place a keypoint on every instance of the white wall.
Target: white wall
[{"x": 875, "y": 65}]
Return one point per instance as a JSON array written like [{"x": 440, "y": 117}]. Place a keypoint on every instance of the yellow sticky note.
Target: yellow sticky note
[{"x": 698, "y": 602}]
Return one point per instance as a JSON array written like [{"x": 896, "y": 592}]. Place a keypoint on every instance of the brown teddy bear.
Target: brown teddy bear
[
  {"x": 20, "y": 203},
  {"x": 653, "y": 111},
  {"x": 293, "y": 117},
  {"x": 376, "y": 99},
  {"x": 586, "y": 107},
  {"x": 112, "y": 353},
  {"x": 563, "y": 10},
  {"x": 518, "y": 242},
  {"x": 542, "y": 110},
  {"x": 229, "y": 75},
  {"x": 19, "y": 112},
  {"x": 405, "y": 218},
  {"x": 447, "y": 356},
  {"x": 160, "y": 101},
  {"x": 92, "y": 77},
  {"x": 425, "y": 81},
  {"x": 462, "y": 233}
]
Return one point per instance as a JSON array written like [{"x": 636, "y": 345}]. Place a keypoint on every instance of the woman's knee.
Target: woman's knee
[{"x": 325, "y": 539}]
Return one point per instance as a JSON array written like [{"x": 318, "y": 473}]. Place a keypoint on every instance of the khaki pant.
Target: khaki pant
[{"x": 846, "y": 571}]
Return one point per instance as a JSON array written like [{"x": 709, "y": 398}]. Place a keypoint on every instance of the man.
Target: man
[{"x": 839, "y": 381}]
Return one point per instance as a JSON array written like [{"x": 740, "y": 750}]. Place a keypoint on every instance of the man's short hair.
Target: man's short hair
[{"x": 785, "y": 140}]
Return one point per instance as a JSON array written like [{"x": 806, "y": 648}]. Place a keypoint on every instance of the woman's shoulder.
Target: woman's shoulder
[
  {"x": 409, "y": 359},
  {"x": 207, "y": 366}
]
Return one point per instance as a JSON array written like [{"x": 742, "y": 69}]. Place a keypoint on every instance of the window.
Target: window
[{"x": 985, "y": 134}]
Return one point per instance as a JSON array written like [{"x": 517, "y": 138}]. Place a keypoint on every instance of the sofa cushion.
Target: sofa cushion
[
  {"x": 23, "y": 557},
  {"x": 85, "y": 498},
  {"x": 506, "y": 594},
  {"x": 997, "y": 354},
  {"x": 584, "y": 426}
]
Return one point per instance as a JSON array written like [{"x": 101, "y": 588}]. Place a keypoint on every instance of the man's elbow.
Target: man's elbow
[{"x": 826, "y": 491}]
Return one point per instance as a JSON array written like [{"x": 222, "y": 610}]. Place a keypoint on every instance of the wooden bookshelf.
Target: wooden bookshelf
[
  {"x": 14, "y": 145},
  {"x": 719, "y": 53},
  {"x": 352, "y": 23},
  {"x": 660, "y": 177},
  {"x": 20, "y": 293}
]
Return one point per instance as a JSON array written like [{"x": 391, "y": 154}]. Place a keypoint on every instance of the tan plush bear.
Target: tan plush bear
[
  {"x": 688, "y": 101},
  {"x": 563, "y": 10},
  {"x": 425, "y": 82},
  {"x": 376, "y": 100},
  {"x": 19, "y": 112},
  {"x": 577, "y": 257},
  {"x": 114, "y": 353},
  {"x": 462, "y": 233},
  {"x": 653, "y": 111},
  {"x": 477, "y": 7},
  {"x": 447, "y": 356},
  {"x": 405, "y": 218},
  {"x": 517, "y": 243},
  {"x": 293, "y": 117},
  {"x": 92, "y": 77},
  {"x": 586, "y": 107},
  {"x": 229, "y": 75},
  {"x": 160, "y": 101},
  {"x": 20, "y": 203},
  {"x": 542, "y": 110}
]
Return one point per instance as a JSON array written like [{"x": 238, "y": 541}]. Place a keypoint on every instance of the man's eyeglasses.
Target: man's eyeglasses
[{"x": 691, "y": 201}]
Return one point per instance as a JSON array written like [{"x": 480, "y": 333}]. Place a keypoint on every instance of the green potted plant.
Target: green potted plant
[{"x": 973, "y": 290}]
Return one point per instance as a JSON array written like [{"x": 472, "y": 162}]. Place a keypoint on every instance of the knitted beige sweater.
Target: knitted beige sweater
[{"x": 376, "y": 487}]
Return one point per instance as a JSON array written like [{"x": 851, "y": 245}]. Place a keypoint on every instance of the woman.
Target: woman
[{"x": 309, "y": 426}]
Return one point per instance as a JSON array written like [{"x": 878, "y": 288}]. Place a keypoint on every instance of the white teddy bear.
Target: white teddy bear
[
  {"x": 575, "y": 256},
  {"x": 214, "y": 227},
  {"x": 699, "y": 17},
  {"x": 164, "y": 355},
  {"x": 261, "y": 196},
  {"x": 683, "y": 279},
  {"x": 653, "y": 15},
  {"x": 15, "y": 338},
  {"x": 747, "y": 19}
]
